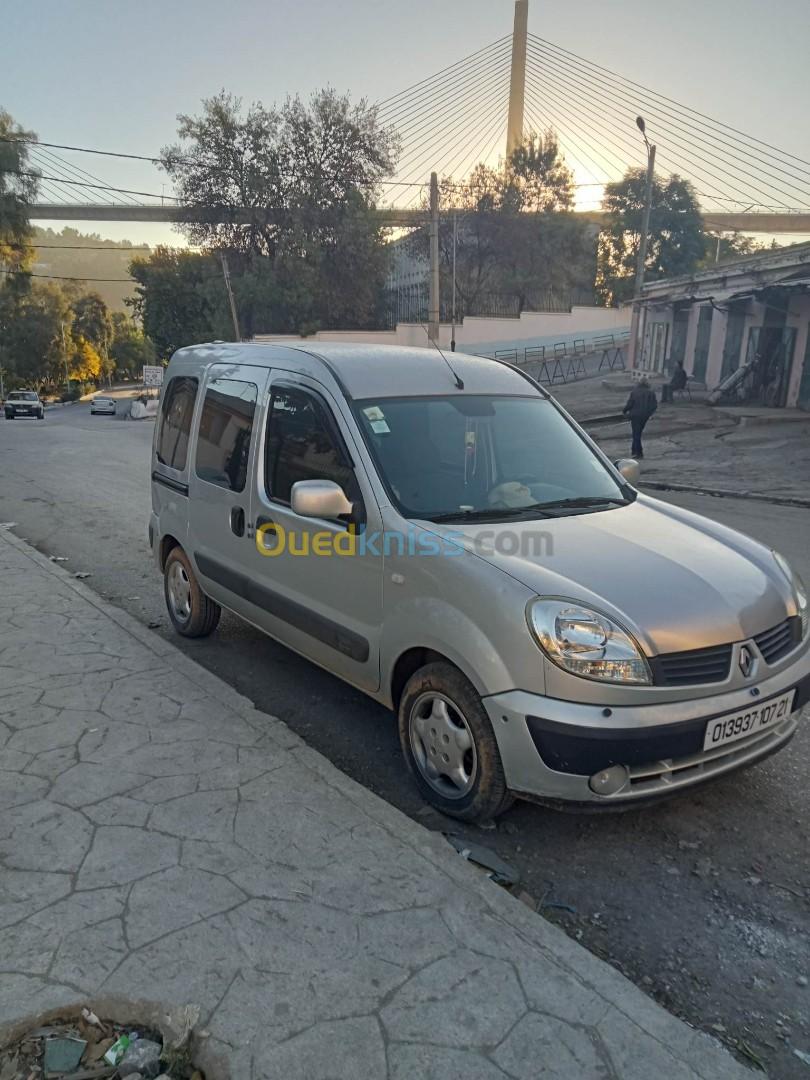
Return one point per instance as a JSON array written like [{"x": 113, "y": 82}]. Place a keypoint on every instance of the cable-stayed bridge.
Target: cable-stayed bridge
[{"x": 476, "y": 109}]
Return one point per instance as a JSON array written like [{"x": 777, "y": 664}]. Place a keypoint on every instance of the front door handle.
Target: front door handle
[{"x": 237, "y": 521}]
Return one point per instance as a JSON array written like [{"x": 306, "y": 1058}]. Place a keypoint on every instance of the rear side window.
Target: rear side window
[
  {"x": 301, "y": 445},
  {"x": 175, "y": 422},
  {"x": 226, "y": 425}
]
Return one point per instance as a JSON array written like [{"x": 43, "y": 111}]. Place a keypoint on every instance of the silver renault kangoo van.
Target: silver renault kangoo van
[{"x": 438, "y": 532}]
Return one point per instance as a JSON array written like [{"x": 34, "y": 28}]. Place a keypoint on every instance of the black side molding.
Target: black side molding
[
  {"x": 167, "y": 481},
  {"x": 337, "y": 637}
]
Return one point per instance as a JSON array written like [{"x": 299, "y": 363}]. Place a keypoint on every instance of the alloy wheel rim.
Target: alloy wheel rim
[{"x": 443, "y": 745}]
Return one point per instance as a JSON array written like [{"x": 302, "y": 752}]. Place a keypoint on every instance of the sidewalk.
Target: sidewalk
[
  {"x": 163, "y": 840},
  {"x": 693, "y": 446}
]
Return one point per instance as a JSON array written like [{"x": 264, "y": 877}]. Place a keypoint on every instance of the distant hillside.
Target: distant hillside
[{"x": 58, "y": 255}]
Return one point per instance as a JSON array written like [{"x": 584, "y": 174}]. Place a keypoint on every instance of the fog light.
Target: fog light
[{"x": 609, "y": 781}]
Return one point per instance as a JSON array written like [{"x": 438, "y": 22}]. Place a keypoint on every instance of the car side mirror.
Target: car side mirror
[
  {"x": 319, "y": 499},
  {"x": 629, "y": 469}
]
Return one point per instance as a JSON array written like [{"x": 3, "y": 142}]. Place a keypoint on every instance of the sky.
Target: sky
[{"x": 114, "y": 75}]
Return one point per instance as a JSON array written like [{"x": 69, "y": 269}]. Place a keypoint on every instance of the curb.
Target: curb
[
  {"x": 724, "y": 493},
  {"x": 700, "y": 1053}
]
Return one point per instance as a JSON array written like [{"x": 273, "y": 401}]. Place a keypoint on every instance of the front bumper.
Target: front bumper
[{"x": 550, "y": 748}]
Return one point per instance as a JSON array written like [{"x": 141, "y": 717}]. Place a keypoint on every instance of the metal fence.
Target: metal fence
[{"x": 564, "y": 361}]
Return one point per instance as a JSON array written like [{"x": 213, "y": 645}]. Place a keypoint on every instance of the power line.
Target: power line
[
  {"x": 39, "y": 163},
  {"x": 82, "y": 149},
  {"x": 87, "y": 247},
  {"x": 64, "y": 277},
  {"x": 76, "y": 183},
  {"x": 65, "y": 167}
]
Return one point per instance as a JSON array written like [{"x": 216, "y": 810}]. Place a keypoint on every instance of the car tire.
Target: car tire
[
  {"x": 41, "y": 414},
  {"x": 192, "y": 613},
  {"x": 443, "y": 721}
]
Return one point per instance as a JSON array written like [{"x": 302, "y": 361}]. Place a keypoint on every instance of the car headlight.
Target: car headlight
[
  {"x": 586, "y": 642},
  {"x": 799, "y": 590}
]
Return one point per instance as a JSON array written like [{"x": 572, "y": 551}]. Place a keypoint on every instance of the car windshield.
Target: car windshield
[
  {"x": 475, "y": 457},
  {"x": 22, "y": 395}
]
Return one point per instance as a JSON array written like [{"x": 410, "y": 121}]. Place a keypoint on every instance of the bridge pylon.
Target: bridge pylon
[{"x": 517, "y": 82}]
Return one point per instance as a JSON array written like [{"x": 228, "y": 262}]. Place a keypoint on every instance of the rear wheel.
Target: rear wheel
[
  {"x": 192, "y": 613},
  {"x": 449, "y": 745}
]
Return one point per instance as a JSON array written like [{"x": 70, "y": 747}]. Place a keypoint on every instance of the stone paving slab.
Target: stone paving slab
[{"x": 163, "y": 840}]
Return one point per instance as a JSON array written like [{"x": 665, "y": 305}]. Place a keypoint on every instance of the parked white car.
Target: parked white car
[{"x": 103, "y": 405}]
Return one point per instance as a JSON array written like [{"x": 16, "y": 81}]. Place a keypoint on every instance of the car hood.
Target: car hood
[{"x": 677, "y": 580}]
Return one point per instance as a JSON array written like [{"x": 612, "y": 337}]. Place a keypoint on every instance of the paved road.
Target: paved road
[{"x": 702, "y": 901}]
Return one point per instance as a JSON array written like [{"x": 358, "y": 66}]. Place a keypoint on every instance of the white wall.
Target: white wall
[{"x": 474, "y": 332}]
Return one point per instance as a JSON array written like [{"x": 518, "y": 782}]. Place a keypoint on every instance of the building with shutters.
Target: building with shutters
[{"x": 749, "y": 315}]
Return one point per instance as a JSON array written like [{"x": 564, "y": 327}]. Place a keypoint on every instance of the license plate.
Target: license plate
[{"x": 733, "y": 726}]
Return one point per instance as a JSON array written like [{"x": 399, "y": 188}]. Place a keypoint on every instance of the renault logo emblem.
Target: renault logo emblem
[{"x": 746, "y": 661}]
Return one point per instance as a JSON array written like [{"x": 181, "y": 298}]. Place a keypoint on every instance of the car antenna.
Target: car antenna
[{"x": 453, "y": 372}]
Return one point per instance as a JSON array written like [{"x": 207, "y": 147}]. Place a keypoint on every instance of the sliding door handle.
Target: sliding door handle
[{"x": 237, "y": 521}]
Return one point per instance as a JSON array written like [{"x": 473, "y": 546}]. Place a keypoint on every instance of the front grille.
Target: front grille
[
  {"x": 779, "y": 640},
  {"x": 692, "y": 667}
]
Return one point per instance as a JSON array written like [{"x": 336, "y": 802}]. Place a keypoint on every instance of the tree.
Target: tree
[
  {"x": 85, "y": 365},
  {"x": 676, "y": 244},
  {"x": 130, "y": 349},
  {"x": 301, "y": 183},
  {"x": 515, "y": 237},
  {"x": 729, "y": 246},
  {"x": 291, "y": 171},
  {"x": 537, "y": 177},
  {"x": 31, "y": 347},
  {"x": 18, "y": 189},
  {"x": 180, "y": 299},
  {"x": 91, "y": 320}
]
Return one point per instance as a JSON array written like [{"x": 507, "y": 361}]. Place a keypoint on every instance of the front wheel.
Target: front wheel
[
  {"x": 192, "y": 613},
  {"x": 41, "y": 415},
  {"x": 449, "y": 745}
]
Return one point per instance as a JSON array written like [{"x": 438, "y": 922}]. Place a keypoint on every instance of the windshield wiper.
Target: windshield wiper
[
  {"x": 581, "y": 501},
  {"x": 493, "y": 513}
]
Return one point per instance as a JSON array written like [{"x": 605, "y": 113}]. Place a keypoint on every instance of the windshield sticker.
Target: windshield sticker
[
  {"x": 374, "y": 412},
  {"x": 379, "y": 427}
]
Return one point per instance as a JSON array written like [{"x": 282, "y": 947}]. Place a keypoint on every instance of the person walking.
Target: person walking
[
  {"x": 640, "y": 406},
  {"x": 679, "y": 378}
]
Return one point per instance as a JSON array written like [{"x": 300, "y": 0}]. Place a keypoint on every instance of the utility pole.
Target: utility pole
[
  {"x": 2, "y": 388},
  {"x": 645, "y": 221},
  {"x": 455, "y": 245},
  {"x": 640, "y": 311},
  {"x": 234, "y": 316},
  {"x": 517, "y": 83},
  {"x": 433, "y": 303},
  {"x": 64, "y": 355}
]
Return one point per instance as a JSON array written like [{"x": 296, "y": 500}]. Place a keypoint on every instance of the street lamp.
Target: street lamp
[{"x": 645, "y": 221}]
